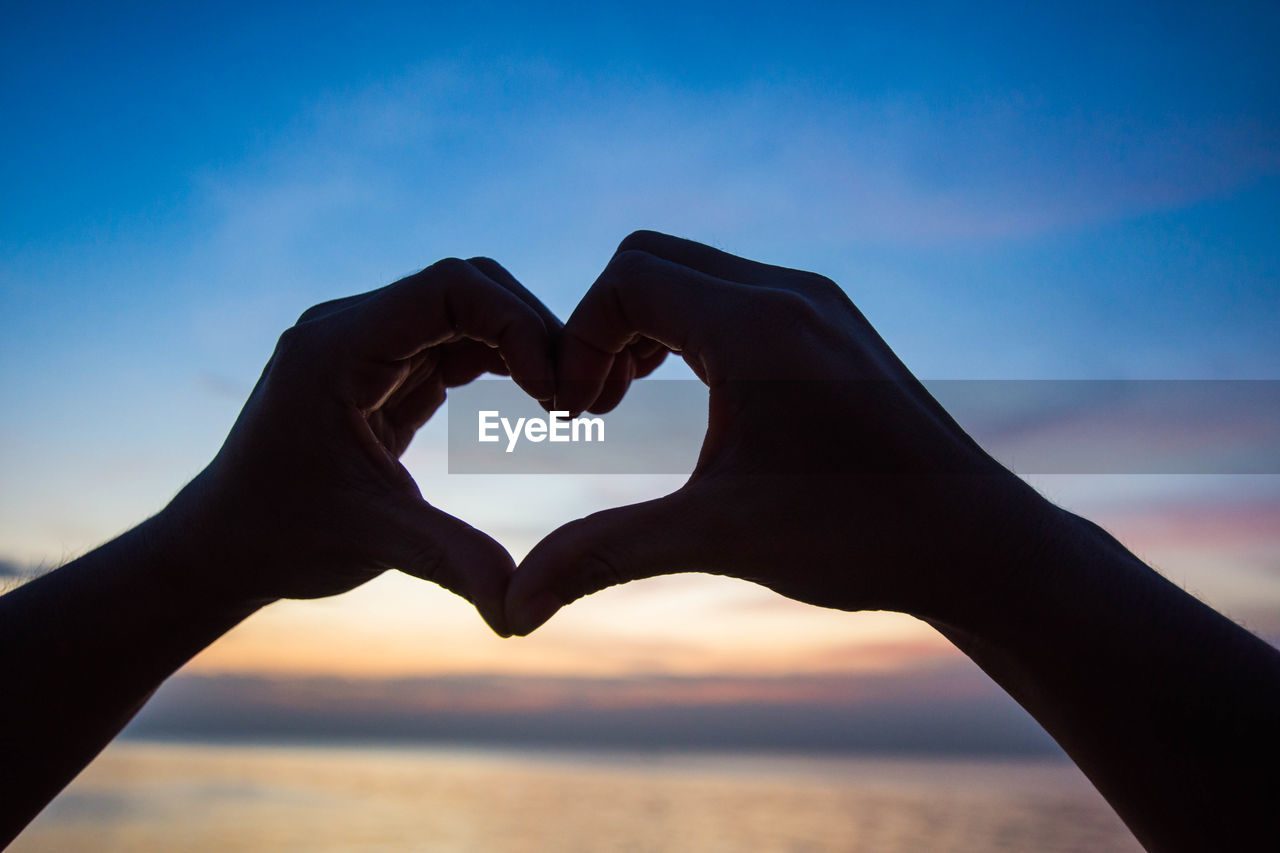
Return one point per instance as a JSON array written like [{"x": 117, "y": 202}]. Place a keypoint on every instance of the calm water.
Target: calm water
[{"x": 144, "y": 797}]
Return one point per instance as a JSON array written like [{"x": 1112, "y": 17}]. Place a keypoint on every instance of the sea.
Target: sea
[{"x": 146, "y": 796}]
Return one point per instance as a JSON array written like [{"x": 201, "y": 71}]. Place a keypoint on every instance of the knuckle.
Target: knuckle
[
  {"x": 788, "y": 302},
  {"x": 601, "y": 572},
  {"x": 792, "y": 308},
  {"x": 596, "y": 572},
  {"x": 595, "y": 566},
  {"x": 823, "y": 293},
  {"x": 642, "y": 239},
  {"x": 450, "y": 268},
  {"x": 817, "y": 283},
  {"x": 315, "y": 312},
  {"x": 425, "y": 563},
  {"x": 428, "y": 560},
  {"x": 294, "y": 338},
  {"x": 628, "y": 265},
  {"x": 327, "y": 309}
]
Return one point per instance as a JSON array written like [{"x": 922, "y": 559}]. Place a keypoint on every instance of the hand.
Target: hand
[
  {"x": 828, "y": 473},
  {"x": 307, "y": 497}
]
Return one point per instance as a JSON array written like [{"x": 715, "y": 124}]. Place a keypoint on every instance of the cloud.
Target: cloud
[
  {"x": 222, "y": 387},
  {"x": 527, "y": 155},
  {"x": 11, "y": 569},
  {"x": 1121, "y": 427},
  {"x": 949, "y": 708}
]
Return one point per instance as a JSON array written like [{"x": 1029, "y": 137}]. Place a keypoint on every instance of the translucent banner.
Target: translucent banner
[{"x": 1032, "y": 426}]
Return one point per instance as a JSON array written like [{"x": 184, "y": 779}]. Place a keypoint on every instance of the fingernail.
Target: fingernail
[{"x": 535, "y": 611}]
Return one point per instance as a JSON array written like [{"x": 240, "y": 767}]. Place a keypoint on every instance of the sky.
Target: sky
[{"x": 1007, "y": 191}]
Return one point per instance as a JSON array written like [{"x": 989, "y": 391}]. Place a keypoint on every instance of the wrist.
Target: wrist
[
  {"x": 1009, "y": 553},
  {"x": 195, "y": 547}
]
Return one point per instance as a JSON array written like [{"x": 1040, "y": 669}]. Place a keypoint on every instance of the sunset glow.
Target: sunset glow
[{"x": 178, "y": 191}]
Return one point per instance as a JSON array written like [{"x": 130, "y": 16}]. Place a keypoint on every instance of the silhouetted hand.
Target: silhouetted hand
[
  {"x": 828, "y": 473},
  {"x": 307, "y": 497}
]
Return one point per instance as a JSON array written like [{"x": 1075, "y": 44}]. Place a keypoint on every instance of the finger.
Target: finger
[
  {"x": 409, "y": 413},
  {"x": 433, "y": 545},
  {"x": 608, "y": 548},
  {"x": 499, "y": 274},
  {"x": 463, "y": 361},
  {"x": 452, "y": 299},
  {"x": 638, "y": 294},
  {"x": 333, "y": 306},
  {"x": 422, "y": 393},
  {"x": 421, "y": 368},
  {"x": 647, "y": 362},
  {"x": 705, "y": 259},
  {"x": 616, "y": 384},
  {"x": 715, "y": 262},
  {"x": 643, "y": 348}
]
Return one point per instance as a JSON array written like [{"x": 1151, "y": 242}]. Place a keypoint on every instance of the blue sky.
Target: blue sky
[{"x": 1088, "y": 190}]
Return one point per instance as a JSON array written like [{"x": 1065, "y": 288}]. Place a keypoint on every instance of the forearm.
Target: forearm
[
  {"x": 1171, "y": 709},
  {"x": 86, "y": 645}
]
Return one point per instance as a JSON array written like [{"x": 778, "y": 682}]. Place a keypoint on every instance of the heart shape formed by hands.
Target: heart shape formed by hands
[
  {"x": 827, "y": 473},
  {"x": 309, "y": 479}
]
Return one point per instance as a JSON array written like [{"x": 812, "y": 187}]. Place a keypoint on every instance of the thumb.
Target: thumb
[
  {"x": 608, "y": 548},
  {"x": 445, "y": 550}
]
